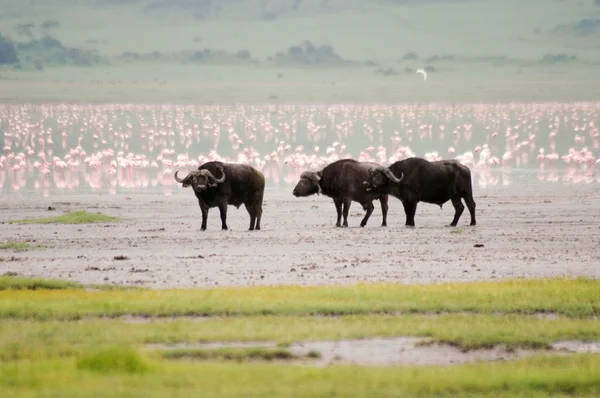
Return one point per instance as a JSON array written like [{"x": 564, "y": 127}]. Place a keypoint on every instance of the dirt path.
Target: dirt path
[{"x": 526, "y": 231}]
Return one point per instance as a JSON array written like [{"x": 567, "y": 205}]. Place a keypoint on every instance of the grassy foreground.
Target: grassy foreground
[
  {"x": 534, "y": 377},
  {"x": 64, "y": 339}
]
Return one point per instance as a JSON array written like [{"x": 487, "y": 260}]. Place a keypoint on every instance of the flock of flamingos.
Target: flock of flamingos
[{"x": 116, "y": 148}]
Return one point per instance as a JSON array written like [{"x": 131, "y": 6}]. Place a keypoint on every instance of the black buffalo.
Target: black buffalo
[
  {"x": 218, "y": 184},
  {"x": 343, "y": 182},
  {"x": 416, "y": 180}
]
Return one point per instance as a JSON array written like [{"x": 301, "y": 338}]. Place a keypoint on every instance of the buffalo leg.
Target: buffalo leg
[
  {"x": 384, "y": 209},
  {"x": 223, "y": 210},
  {"x": 258, "y": 210},
  {"x": 410, "y": 208},
  {"x": 338, "y": 208},
  {"x": 258, "y": 216},
  {"x": 471, "y": 206},
  {"x": 204, "y": 210},
  {"x": 252, "y": 212},
  {"x": 369, "y": 207},
  {"x": 347, "y": 203},
  {"x": 458, "y": 210}
]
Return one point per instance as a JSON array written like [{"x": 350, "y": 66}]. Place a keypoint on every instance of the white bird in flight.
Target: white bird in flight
[{"x": 422, "y": 71}]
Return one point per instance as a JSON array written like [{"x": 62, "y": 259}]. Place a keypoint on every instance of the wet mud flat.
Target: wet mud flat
[
  {"x": 392, "y": 351},
  {"x": 536, "y": 230}
]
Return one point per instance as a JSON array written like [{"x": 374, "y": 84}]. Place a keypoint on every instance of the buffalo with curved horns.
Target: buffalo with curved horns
[
  {"x": 415, "y": 180},
  {"x": 342, "y": 181},
  {"x": 218, "y": 184}
]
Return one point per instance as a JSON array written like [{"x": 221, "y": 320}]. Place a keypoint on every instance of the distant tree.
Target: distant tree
[
  {"x": 409, "y": 56},
  {"x": 557, "y": 58},
  {"x": 309, "y": 54},
  {"x": 49, "y": 25},
  {"x": 25, "y": 29},
  {"x": 8, "y": 53},
  {"x": 268, "y": 16},
  {"x": 243, "y": 55}
]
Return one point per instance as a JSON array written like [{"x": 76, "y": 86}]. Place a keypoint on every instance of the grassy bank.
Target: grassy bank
[
  {"x": 64, "y": 339},
  {"x": 75, "y": 217}
]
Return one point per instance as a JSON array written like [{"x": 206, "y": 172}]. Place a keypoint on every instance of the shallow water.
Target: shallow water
[
  {"x": 123, "y": 149},
  {"x": 383, "y": 351}
]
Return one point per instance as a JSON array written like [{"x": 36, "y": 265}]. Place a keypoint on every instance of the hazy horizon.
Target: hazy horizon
[{"x": 300, "y": 50}]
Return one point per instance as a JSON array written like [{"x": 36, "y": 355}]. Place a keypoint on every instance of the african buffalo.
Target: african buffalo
[
  {"x": 416, "y": 180},
  {"x": 218, "y": 184},
  {"x": 343, "y": 182}
]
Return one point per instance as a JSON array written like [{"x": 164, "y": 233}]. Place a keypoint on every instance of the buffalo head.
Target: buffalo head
[
  {"x": 379, "y": 178},
  {"x": 308, "y": 184},
  {"x": 200, "y": 180}
]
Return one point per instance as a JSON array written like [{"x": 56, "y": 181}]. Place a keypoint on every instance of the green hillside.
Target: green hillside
[{"x": 299, "y": 50}]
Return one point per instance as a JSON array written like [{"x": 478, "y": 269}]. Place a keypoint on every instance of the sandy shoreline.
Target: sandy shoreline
[{"x": 539, "y": 230}]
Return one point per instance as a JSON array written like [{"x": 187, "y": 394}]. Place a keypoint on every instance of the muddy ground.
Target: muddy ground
[
  {"x": 528, "y": 230},
  {"x": 383, "y": 351}
]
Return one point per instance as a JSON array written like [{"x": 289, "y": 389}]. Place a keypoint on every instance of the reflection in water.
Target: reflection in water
[{"x": 125, "y": 148}]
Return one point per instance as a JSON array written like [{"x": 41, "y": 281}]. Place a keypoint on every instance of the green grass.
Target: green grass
[
  {"x": 466, "y": 332},
  {"x": 52, "y": 354},
  {"x": 233, "y": 354},
  {"x": 18, "y": 246},
  {"x": 541, "y": 376},
  {"x": 26, "y": 283},
  {"x": 34, "y": 339},
  {"x": 75, "y": 217},
  {"x": 113, "y": 360},
  {"x": 568, "y": 297}
]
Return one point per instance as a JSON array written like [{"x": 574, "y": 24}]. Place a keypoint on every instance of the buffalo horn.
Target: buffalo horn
[
  {"x": 388, "y": 173},
  {"x": 179, "y": 180},
  {"x": 314, "y": 177},
  {"x": 207, "y": 173}
]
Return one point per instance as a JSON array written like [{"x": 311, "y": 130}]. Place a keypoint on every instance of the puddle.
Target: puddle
[
  {"x": 392, "y": 351},
  {"x": 398, "y": 350},
  {"x": 588, "y": 347}
]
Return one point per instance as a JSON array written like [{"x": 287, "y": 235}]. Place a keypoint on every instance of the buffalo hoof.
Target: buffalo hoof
[
  {"x": 224, "y": 228},
  {"x": 472, "y": 224}
]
